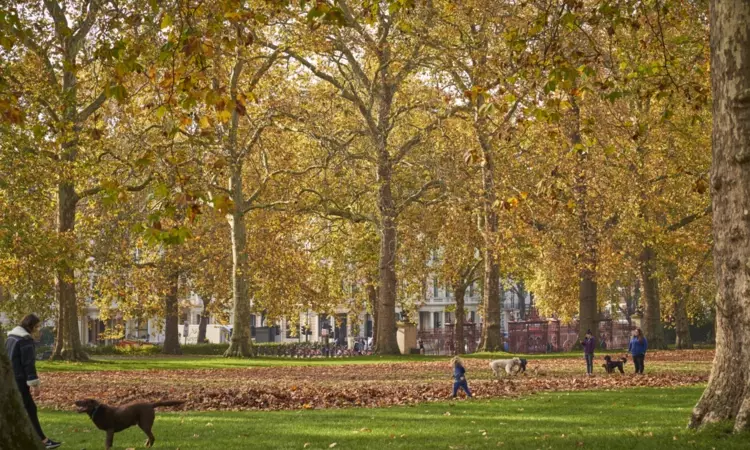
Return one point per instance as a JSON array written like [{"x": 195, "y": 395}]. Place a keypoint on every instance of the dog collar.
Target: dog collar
[{"x": 93, "y": 413}]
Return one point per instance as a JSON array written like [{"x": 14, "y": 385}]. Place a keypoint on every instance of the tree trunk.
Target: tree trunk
[
  {"x": 241, "y": 345},
  {"x": 204, "y": 319},
  {"x": 652, "y": 326},
  {"x": 727, "y": 396},
  {"x": 172, "y": 315},
  {"x": 372, "y": 296},
  {"x": 587, "y": 285},
  {"x": 587, "y": 306},
  {"x": 68, "y": 342},
  {"x": 386, "y": 320},
  {"x": 15, "y": 427},
  {"x": 459, "y": 289},
  {"x": 491, "y": 339},
  {"x": 521, "y": 291},
  {"x": 682, "y": 325}
]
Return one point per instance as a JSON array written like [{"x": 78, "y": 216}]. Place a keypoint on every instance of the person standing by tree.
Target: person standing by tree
[
  {"x": 22, "y": 355},
  {"x": 589, "y": 343},
  {"x": 637, "y": 348}
]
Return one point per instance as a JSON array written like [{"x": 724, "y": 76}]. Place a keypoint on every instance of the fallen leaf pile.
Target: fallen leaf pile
[{"x": 369, "y": 385}]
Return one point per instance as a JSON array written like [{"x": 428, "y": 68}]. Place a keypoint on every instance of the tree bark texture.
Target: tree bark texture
[
  {"x": 386, "y": 318},
  {"x": 652, "y": 326},
  {"x": 68, "y": 341},
  {"x": 172, "y": 316},
  {"x": 727, "y": 396},
  {"x": 241, "y": 345},
  {"x": 15, "y": 427}
]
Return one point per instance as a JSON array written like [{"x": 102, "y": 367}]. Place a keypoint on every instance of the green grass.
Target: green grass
[
  {"x": 213, "y": 362},
  {"x": 644, "y": 418}
]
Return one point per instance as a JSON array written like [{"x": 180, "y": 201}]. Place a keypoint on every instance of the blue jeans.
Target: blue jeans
[
  {"x": 463, "y": 385},
  {"x": 589, "y": 362}
]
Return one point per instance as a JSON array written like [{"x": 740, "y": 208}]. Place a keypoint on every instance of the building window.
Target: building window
[
  {"x": 435, "y": 288},
  {"x": 424, "y": 320},
  {"x": 449, "y": 317},
  {"x": 436, "y": 323},
  {"x": 472, "y": 316}
]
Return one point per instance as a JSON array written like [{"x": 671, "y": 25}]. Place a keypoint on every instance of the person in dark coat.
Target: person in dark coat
[
  {"x": 22, "y": 355},
  {"x": 589, "y": 343}
]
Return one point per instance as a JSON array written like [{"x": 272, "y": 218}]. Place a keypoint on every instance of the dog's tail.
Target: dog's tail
[{"x": 168, "y": 403}]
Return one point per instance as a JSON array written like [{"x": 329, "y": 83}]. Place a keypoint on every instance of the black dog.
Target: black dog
[
  {"x": 522, "y": 367},
  {"x": 610, "y": 365},
  {"x": 113, "y": 419}
]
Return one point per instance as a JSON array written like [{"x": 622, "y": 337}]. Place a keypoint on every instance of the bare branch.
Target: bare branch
[
  {"x": 98, "y": 189},
  {"x": 62, "y": 31},
  {"x": 83, "y": 30},
  {"x": 91, "y": 108},
  {"x": 407, "y": 146},
  {"x": 417, "y": 196},
  {"x": 687, "y": 220}
]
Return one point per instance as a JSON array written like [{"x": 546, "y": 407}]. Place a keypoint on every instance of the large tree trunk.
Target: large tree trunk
[
  {"x": 172, "y": 315},
  {"x": 15, "y": 427},
  {"x": 652, "y": 326},
  {"x": 459, "y": 289},
  {"x": 491, "y": 339},
  {"x": 587, "y": 306},
  {"x": 587, "y": 286},
  {"x": 386, "y": 319},
  {"x": 204, "y": 319},
  {"x": 241, "y": 345},
  {"x": 68, "y": 342},
  {"x": 727, "y": 396}
]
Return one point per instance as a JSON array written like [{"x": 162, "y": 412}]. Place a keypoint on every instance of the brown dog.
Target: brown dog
[{"x": 114, "y": 419}]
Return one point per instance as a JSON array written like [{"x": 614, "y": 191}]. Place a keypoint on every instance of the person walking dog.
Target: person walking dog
[{"x": 22, "y": 355}]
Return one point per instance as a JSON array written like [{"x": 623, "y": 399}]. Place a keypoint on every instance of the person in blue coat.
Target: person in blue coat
[
  {"x": 459, "y": 376},
  {"x": 637, "y": 348}
]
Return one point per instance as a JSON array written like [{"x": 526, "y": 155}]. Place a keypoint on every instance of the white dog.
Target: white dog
[{"x": 507, "y": 364}]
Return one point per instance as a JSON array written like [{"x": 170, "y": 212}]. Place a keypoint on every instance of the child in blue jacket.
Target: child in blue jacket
[
  {"x": 459, "y": 375},
  {"x": 637, "y": 348}
]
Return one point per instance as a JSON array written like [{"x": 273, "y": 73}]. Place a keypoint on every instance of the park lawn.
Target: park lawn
[{"x": 643, "y": 418}]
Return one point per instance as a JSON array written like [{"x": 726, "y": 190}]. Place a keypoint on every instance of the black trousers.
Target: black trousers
[
  {"x": 30, "y": 406},
  {"x": 638, "y": 362}
]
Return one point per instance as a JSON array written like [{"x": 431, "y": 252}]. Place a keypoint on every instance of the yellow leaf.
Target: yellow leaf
[
  {"x": 166, "y": 21},
  {"x": 224, "y": 116},
  {"x": 205, "y": 123}
]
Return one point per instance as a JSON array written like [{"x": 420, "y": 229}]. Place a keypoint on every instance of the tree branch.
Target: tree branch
[
  {"x": 85, "y": 27},
  {"x": 416, "y": 197},
  {"x": 91, "y": 108},
  {"x": 687, "y": 220}
]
